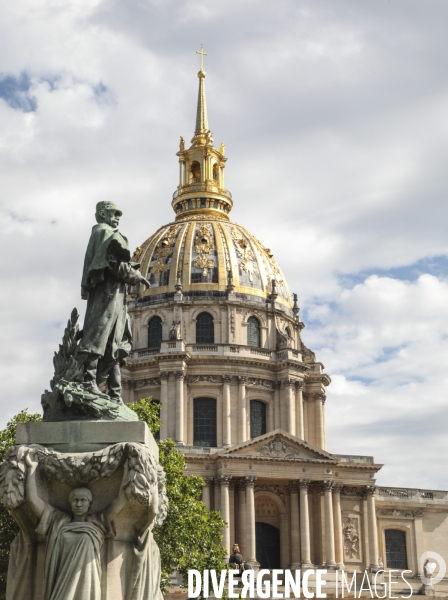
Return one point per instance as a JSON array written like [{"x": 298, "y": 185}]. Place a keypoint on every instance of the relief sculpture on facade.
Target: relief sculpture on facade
[
  {"x": 278, "y": 449},
  {"x": 351, "y": 538}
]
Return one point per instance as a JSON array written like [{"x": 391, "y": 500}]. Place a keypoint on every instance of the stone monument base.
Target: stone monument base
[{"x": 118, "y": 464}]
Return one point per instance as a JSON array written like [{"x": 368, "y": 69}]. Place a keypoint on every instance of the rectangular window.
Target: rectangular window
[{"x": 204, "y": 427}]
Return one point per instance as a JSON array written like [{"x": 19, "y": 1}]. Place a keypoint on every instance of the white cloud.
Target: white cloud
[{"x": 334, "y": 117}]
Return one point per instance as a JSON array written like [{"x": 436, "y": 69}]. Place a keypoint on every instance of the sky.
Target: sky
[{"x": 335, "y": 118}]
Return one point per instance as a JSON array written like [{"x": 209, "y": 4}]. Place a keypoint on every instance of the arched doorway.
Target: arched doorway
[{"x": 268, "y": 545}]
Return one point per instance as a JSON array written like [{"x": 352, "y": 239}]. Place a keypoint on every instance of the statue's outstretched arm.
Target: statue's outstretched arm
[
  {"x": 31, "y": 496},
  {"x": 118, "y": 504}
]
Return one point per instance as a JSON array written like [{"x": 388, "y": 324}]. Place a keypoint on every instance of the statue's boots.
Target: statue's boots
[{"x": 114, "y": 384}]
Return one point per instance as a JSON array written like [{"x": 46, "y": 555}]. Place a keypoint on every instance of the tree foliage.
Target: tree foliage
[{"x": 190, "y": 537}]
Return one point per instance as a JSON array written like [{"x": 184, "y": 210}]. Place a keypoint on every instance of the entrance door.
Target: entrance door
[{"x": 268, "y": 545}]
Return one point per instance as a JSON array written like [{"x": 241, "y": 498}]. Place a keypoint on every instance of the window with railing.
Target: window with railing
[
  {"x": 205, "y": 329},
  {"x": 253, "y": 332},
  {"x": 204, "y": 422},
  {"x": 155, "y": 332},
  {"x": 396, "y": 557},
  {"x": 257, "y": 418}
]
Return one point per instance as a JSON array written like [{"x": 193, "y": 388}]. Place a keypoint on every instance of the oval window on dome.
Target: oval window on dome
[
  {"x": 253, "y": 332},
  {"x": 155, "y": 332},
  {"x": 205, "y": 329}
]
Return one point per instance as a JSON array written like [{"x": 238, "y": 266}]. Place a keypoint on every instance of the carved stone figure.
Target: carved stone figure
[
  {"x": 73, "y": 543},
  {"x": 277, "y": 448},
  {"x": 351, "y": 538},
  {"x": 105, "y": 341},
  {"x": 182, "y": 144},
  {"x": 175, "y": 331}
]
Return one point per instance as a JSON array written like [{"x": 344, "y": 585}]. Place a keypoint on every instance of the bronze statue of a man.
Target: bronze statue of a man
[{"x": 106, "y": 336}]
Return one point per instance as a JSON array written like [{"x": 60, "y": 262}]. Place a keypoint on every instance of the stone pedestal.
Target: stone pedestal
[{"x": 114, "y": 465}]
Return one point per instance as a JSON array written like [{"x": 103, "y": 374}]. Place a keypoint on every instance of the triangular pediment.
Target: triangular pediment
[{"x": 278, "y": 445}]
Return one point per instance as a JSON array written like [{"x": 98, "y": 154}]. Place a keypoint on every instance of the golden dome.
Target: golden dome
[{"x": 203, "y": 253}]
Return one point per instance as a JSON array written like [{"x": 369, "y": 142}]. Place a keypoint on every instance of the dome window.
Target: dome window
[
  {"x": 257, "y": 418},
  {"x": 205, "y": 329},
  {"x": 195, "y": 172},
  {"x": 155, "y": 332},
  {"x": 204, "y": 425},
  {"x": 216, "y": 173},
  {"x": 253, "y": 332}
]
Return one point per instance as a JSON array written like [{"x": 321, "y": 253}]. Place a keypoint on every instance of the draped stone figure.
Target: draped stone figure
[{"x": 72, "y": 546}]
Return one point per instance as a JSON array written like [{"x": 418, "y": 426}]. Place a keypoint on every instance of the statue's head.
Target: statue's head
[
  {"x": 236, "y": 549},
  {"x": 107, "y": 212},
  {"x": 80, "y": 501}
]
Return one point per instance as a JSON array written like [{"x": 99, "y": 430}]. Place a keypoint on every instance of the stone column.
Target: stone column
[
  {"x": 373, "y": 533},
  {"x": 320, "y": 400},
  {"x": 329, "y": 525},
  {"x": 250, "y": 515},
  {"x": 305, "y": 538},
  {"x": 299, "y": 410},
  {"x": 290, "y": 425},
  {"x": 242, "y": 410},
  {"x": 226, "y": 424},
  {"x": 241, "y": 532},
  {"x": 180, "y": 408},
  {"x": 419, "y": 539},
  {"x": 337, "y": 519},
  {"x": 295, "y": 532},
  {"x": 225, "y": 512},
  {"x": 365, "y": 532},
  {"x": 277, "y": 423},
  {"x": 217, "y": 495},
  {"x": 306, "y": 435},
  {"x": 164, "y": 404},
  {"x": 206, "y": 492},
  {"x": 232, "y": 487}
]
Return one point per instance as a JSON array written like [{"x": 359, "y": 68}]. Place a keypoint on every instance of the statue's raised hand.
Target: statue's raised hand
[{"x": 145, "y": 281}]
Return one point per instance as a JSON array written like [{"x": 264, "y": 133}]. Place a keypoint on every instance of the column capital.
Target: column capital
[
  {"x": 326, "y": 486},
  {"x": 294, "y": 487},
  {"x": 250, "y": 480},
  {"x": 300, "y": 385},
  {"x": 232, "y": 484},
  {"x": 276, "y": 385},
  {"x": 180, "y": 374},
  {"x": 224, "y": 479},
  {"x": 369, "y": 490},
  {"x": 226, "y": 378},
  {"x": 242, "y": 379},
  {"x": 164, "y": 375},
  {"x": 209, "y": 480},
  {"x": 337, "y": 488},
  {"x": 240, "y": 485},
  {"x": 288, "y": 382},
  {"x": 304, "y": 483},
  {"x": 320, "y": 396}
]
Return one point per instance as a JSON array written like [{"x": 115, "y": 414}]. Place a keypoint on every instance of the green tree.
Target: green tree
[{"x": 190, "y": 537}]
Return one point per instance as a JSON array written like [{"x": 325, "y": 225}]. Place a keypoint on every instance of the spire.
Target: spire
[
  {"x": 201, "y": 186},
  {"x": 201, "y": 113}
]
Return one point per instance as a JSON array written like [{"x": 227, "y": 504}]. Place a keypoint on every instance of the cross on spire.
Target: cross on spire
[{"x": 202, "y": 54}]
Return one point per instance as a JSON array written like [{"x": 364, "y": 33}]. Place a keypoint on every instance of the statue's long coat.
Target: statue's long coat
[{"x": 106, "y": 272}]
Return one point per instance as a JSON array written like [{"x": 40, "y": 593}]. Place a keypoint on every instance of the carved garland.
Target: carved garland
[{"x": 78, "y": 470}]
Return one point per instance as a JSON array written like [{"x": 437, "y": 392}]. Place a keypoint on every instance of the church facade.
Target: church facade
[{"x": 217, "y": 341}]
